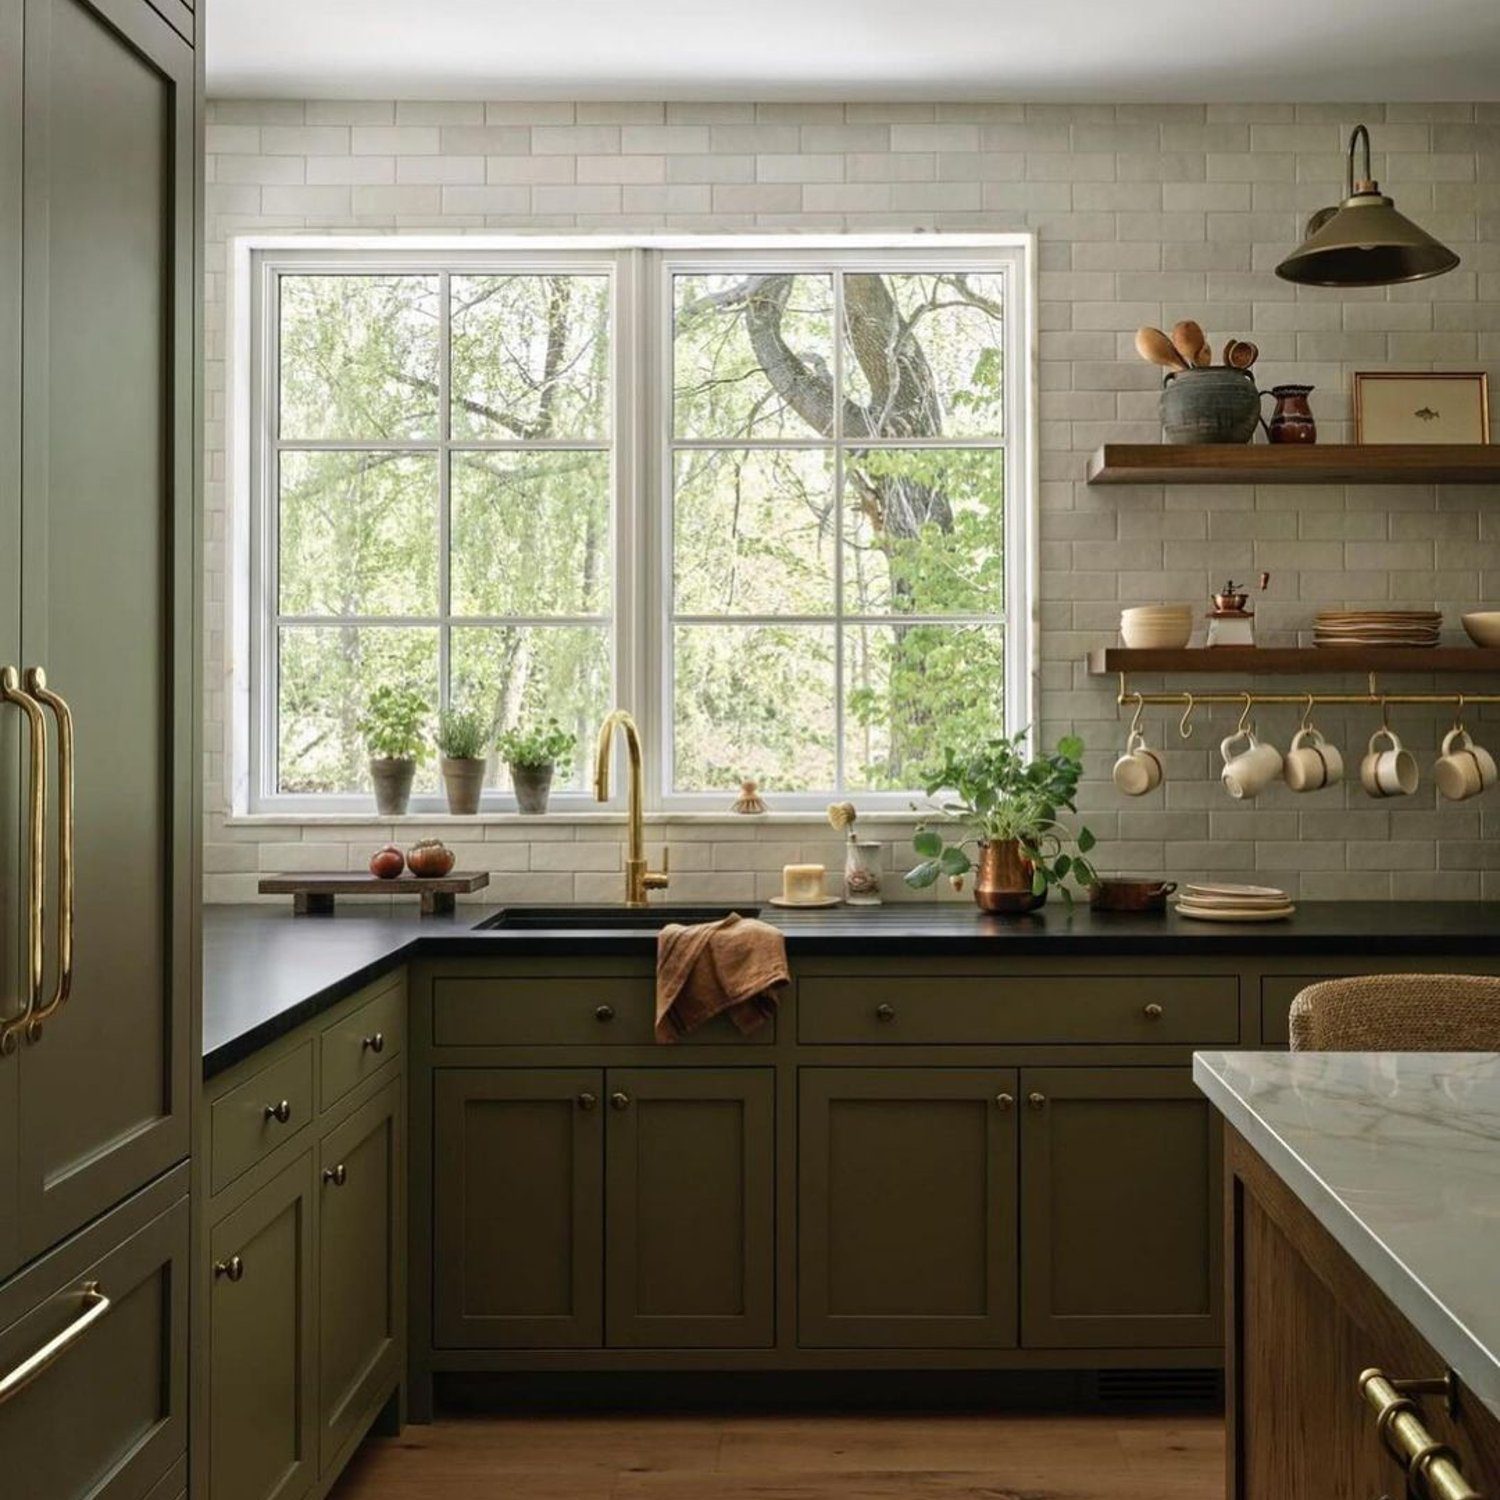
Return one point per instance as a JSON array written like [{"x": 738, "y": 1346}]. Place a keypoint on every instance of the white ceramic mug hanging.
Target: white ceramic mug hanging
[{"x": 1250, "y": 771}]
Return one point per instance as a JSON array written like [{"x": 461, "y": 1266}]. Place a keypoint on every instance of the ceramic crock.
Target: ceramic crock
[{"x": 1212, "y": 405}]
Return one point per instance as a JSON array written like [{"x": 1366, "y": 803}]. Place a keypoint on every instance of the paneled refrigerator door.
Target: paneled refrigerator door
[
  {"x": 107, "y": 596},
  {"x": 12, "y": 890}
]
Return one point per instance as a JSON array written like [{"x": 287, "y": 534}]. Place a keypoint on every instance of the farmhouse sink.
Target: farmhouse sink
[{"x": 581, "y": 916}]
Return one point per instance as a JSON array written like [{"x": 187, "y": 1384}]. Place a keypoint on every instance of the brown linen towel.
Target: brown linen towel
[{"x": 732, "y": 965}]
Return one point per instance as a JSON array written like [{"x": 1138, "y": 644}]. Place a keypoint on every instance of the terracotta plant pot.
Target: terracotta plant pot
[
  {"x": 1002, "y": 880},
  {"x": 533, "y": 786},
  {"x": 392, "y": 779},
  {"x": 463, "y": 781}
]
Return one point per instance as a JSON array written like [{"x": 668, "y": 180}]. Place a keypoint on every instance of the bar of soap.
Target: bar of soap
[{"x": 803, "y": 882}]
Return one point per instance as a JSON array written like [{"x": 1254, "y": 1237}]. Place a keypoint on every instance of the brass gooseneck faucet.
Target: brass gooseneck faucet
[{"x": 638, "y": 879}]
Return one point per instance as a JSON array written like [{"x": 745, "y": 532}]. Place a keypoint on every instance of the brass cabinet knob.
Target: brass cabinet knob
[
  {"x": 587, "y": 1101},
  {"x": 604, "y": 1012},
  {"x": 232, "y": 1269},
  {"x": 1005, "y": 1101},
  {"x": 884, "y": 1012},
  {"x": 1152, "y": 1011},
  {"x": 1035, "y": 1100},
  {"x": 374, "y": 1043},
  {"x": 619, "y": 1101},
  {"x": 281, "y": 1112},
  {"x": 336, "y": 1176}
]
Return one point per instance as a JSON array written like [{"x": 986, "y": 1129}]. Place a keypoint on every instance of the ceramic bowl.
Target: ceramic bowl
[
  {"x": 1156, "y": 635},
  {"x": 1483, "y": 627}
]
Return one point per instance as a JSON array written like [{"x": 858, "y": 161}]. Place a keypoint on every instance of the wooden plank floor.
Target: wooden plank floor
[{"x": 795, "y": 1457}]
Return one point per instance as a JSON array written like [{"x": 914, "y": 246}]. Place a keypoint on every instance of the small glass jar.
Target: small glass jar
[{"x": 862, "y": 872}]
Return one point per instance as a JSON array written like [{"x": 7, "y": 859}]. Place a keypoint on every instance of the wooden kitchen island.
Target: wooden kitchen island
[{"x": 1362, "y": 1207}]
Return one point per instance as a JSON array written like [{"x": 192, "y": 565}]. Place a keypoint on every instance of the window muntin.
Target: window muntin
[{"x": 792, "y": 630}]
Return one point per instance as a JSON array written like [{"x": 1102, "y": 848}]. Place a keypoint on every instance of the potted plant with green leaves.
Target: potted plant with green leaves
[
  {"x": 532, "y": 752},
  {"x": 1007, "y": 805},
  {"x": 463, "y": 738},
  {"x": 392, "y": 726}
]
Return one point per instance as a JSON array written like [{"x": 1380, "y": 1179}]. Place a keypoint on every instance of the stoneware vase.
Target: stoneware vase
[
  {"x": 463, "y": 781},
  {"x": 392, "y": 779},
  {"x": 1291, "y": 418},
  {"x": 533, "y": 786},
  {"x": 1212, "y": 405},
  {"x": 1002, "y": 880}
]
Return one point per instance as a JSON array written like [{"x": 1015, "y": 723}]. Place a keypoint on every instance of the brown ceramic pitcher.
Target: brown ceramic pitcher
[{"x": 1291, "y": 418}]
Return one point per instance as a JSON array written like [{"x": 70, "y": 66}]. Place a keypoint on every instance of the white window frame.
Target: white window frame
[{"x": 641, "y": 267}]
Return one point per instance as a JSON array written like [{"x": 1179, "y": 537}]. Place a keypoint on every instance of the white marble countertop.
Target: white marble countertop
[{"x": 1397, "y": 1154}]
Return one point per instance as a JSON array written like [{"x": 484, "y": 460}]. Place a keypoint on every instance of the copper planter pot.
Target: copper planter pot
[{"x": 1002, "y": 880}]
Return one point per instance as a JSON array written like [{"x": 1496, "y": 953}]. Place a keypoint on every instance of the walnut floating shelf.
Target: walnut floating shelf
[
  {"x": 1248, "y": 661},
  {"x": 1320, "y": 463}
]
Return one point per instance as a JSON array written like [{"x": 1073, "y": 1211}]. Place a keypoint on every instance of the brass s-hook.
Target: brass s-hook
[
  {"x": 1243, "y": 727},
  {"x": 1306, "y": 723},
  {"x": 1458, "y": 714},
  {"x": 1135, "y": 722},
  {"x": 1184, "y": 724}
]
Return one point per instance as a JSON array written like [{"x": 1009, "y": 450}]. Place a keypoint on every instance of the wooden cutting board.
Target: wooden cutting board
[{"x": 313, "y": 893}]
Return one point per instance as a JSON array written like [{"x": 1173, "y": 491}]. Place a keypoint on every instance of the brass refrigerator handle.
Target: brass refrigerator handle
[
  {"x": 1431, "y": 1467},
  {"x": 36, "y": 685},
  {"x": 95, "y": 1306},
  {"x": 36, "y": 846}
]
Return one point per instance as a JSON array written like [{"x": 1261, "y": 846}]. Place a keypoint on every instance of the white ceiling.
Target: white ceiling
[{"x": 1158, "y": 50}]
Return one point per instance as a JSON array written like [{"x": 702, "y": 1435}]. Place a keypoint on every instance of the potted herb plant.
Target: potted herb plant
[
  {"x": 532, "y": 752},
  {"x": 463, "y": 743},
  {"x": 1008, "y": 806},
  {"x": 392, "y": 727}
]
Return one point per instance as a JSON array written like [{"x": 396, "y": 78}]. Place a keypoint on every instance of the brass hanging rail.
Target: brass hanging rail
[{"x": 1374, "y": 698}]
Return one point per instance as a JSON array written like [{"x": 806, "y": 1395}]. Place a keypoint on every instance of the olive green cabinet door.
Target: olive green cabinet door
[
  {"x": 106, "y": 1419},
  {"x": 906, "y": 1233},
  {"x": 690, "y": 1208},
  {"x": 1120, "y": 1210},
  {"x": 108, "y": 561},
  {"x": 12, "y": 883},
  {"x": 518, "y": 1208},
  {"x": 360, "y": 1287},
  {"x": 263, "y": 1425}
]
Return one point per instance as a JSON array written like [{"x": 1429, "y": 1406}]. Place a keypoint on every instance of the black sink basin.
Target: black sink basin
[{"x": 584, "y": 917}]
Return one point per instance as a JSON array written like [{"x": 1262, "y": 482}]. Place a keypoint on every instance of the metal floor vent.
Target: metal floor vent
[{"x": 1159, "y": 1387}]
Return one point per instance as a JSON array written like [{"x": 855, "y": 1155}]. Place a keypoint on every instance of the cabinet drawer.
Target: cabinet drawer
[
  {"x": 107, "y": 1418},
  {"x": 365, "y": 1039},
  {"x": 1142, "y": 1009},
  {"x": 246, "y": 1124},
  {"x": 602, "y": 1010}
]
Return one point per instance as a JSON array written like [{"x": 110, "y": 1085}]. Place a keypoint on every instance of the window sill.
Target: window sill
[{"x": 522, "y": 820}]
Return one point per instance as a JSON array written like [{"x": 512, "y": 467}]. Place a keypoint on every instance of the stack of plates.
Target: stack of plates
[
  {"x": 1157, "y": 627},
  {"x": 1234, "y": 903},
  {"x": 1377, "y": 627}
]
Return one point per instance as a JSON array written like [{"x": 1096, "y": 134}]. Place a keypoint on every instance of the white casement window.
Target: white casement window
[{"x": 773, "y": 496}]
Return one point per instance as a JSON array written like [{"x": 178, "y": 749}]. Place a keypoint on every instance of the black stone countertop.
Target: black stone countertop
[{"x": 266, "y": 971}]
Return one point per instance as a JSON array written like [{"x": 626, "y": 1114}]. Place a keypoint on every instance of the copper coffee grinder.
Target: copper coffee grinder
[{"x": 1231, "y": 622}]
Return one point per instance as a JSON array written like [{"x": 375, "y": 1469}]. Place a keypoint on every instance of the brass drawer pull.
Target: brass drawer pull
[
  {"x": 1152, "y": 1011},
  {"x": 36, "y": 853},
  {"x": 604, "y": 1012},
  {"x": 232, "y": 1269},
  {"x": 1036, "y": 1101},
  {"x": 884, "y": 1012},
  {"x": 36, "y": 684},
  {"x": 619, "y": 1101},
  {"x": 336, "y": 1176},
  {"x": 374, "y": 1043},
  {"x": 95, "y": 1306},
  {"x": 587, "y": 1102},
  {"x": 1431, "y": 1467},
  {"x": 1005, "y": 1101},
  {"x": 281, "y": 1112}
]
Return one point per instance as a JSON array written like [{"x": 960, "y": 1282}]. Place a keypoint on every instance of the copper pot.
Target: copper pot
[
  {"x": 1113, "y": 894},
  {"x": 1002, "y": 879}
]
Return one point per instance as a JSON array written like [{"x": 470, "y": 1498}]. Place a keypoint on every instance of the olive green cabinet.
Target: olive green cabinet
[
  {"x": 263, "y": 1432},
  {"x": 360, "y": 1286},
  {"x": 105, "y": 1417},
  {"x": 97, "y": 529},
  {"x": 538, "y": 1170},
  {"x": 1120, "y": 1210},
  {"x": 907, "y": 1208},
  {"x": 690, "y": 1208}
]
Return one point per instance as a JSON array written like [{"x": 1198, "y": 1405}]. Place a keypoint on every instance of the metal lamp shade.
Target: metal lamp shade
[{"x": 1365, "y": 242}]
